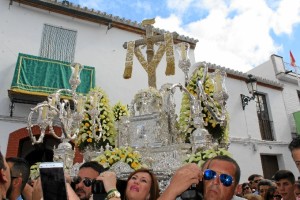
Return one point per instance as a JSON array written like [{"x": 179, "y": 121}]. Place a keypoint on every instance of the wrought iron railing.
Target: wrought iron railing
[{"x": 289, "y": 68}]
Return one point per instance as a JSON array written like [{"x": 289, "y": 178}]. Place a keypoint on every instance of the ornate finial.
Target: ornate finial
[{"x": 146, "y": 22}]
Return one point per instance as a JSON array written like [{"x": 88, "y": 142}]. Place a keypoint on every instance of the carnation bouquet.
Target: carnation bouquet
[
  {"x": 85, "y": 137},
  {"x": 218, "y": 132},
  {"x": 119, "y": 111},
  {"x": 125, "y": 154}
]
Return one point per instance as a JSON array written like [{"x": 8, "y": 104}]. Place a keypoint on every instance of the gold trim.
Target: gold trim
[
  {"x": 129, "y": 60},
  {"x": 170, "y": 70},
  {"x": 139, "y": 55}
]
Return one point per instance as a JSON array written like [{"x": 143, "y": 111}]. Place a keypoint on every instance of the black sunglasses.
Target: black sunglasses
[
  {"x": 86, "y": 181},
  {"x": 246, "y": 188},
  {"x": 225, "y": 179}
]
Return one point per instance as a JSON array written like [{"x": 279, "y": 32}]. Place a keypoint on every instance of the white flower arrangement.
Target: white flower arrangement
[
  {"x": 119, "y": 111},
  {"x": 125, "y": 154},
  {"x": 85, "y": 137},
  {"x": 218, "y": 132}
]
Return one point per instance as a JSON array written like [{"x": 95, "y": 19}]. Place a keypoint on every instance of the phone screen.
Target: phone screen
[{"x": 53, "y": 181}]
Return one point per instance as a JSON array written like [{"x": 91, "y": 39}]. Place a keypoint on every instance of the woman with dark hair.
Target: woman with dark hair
[
  {"x": 246, "y": 189},
  {"x": 142, "y": 185}
]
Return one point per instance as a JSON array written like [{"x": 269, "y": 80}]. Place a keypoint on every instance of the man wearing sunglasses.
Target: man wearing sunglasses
[
  {"x": 88, "y": 172},
  {"x": 220, "y": 176},
  {"x": 20, "y": 172},
  {"x": 253, "y": 181}
]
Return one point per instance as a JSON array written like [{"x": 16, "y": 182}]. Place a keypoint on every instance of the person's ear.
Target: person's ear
[
  {"x": 16, "y": 181},
  {"x": 3, "y": 177}
]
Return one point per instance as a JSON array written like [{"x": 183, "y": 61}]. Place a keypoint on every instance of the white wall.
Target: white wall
[
  {"x": 246, "y": 144},
  {"x": 21, "y": 30},
  {"x": 265, "y": 70}
]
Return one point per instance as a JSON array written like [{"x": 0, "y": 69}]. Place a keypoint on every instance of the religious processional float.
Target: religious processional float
[{"x": 146, "y": 133}]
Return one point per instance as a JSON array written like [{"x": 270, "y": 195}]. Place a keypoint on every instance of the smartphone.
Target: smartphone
[{"x": 53, "y": 181}]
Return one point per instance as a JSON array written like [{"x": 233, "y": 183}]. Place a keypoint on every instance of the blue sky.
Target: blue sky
[{"x": 237, "y": 34}]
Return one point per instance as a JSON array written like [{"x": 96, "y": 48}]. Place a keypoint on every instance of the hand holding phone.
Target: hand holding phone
[{"x": 53, "y": 181}]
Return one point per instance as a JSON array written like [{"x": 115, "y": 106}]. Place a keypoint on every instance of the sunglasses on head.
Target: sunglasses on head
[
  {"x": 225, "y": 179},
  {"x": 246, "y": 188},
  {"x": 277, "y": 196},
  {"x": 86, "y": 181}
]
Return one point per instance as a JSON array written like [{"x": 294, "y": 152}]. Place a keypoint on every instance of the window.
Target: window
[
  {"x": 58, "y": 43},
  {"x": 270, "y": 165},
  {"x": 263, "y": 117}
]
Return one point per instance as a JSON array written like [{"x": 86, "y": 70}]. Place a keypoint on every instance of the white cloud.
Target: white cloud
[
  {"x": 238, "y": 41},
  {"x": 231, "y": 33},
  {"x": 172, "y": 23},
  {"x": 287, "y": 15},
  {"x": 179, "y": 6}
]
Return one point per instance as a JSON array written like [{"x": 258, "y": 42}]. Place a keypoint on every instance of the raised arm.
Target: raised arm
[
  {"x": 109, "y": 180},
  {"x": 183, "y": 178}
]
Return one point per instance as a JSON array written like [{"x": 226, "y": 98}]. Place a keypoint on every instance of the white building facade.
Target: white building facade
[{"x": 99, "y": 43}]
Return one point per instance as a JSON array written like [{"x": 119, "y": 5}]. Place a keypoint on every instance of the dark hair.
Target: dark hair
[
  {"x": 94, "y": 165},
  {"x": 2, "y": 166},
  {"x": 237, "y": 175},
  {"x": 252, "y": 176},
  {"x": 284, "y": 174},
  {"x": 270, "y": 193},
  {"x": 297, "y": 184},
  {"x": 20, "y": 168},
  {"x": 264, "y": 182},
  {"x": 154, "y": 189},
  {"x": 295, "y": 143},
  {"x": 243, "y": 188},
  {"x": 244, "y": 185}
]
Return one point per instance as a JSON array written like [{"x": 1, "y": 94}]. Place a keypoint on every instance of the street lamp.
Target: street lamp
[{"x": 252, "y": 88}]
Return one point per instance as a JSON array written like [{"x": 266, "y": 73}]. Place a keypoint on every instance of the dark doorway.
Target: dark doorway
[
  {"x": 269, "y": 165},
  {"x": 38, "y": 153}
]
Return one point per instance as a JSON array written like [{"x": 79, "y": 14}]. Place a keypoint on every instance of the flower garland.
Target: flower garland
[
  {"x": 85, "y": 137},
  {"x": 125, "y": 154},
  {"x": 200, "y": 157},
  {"x": 120, "y": 110},
  {"x": 218, "y": 132}
]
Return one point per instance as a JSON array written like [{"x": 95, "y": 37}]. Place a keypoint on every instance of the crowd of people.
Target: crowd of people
[{"x": 217, "y": 179}]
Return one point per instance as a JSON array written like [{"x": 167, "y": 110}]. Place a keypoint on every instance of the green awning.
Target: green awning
[
  {"x": 297, "y": 121},
  {"x": 42, "y": 76}
]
